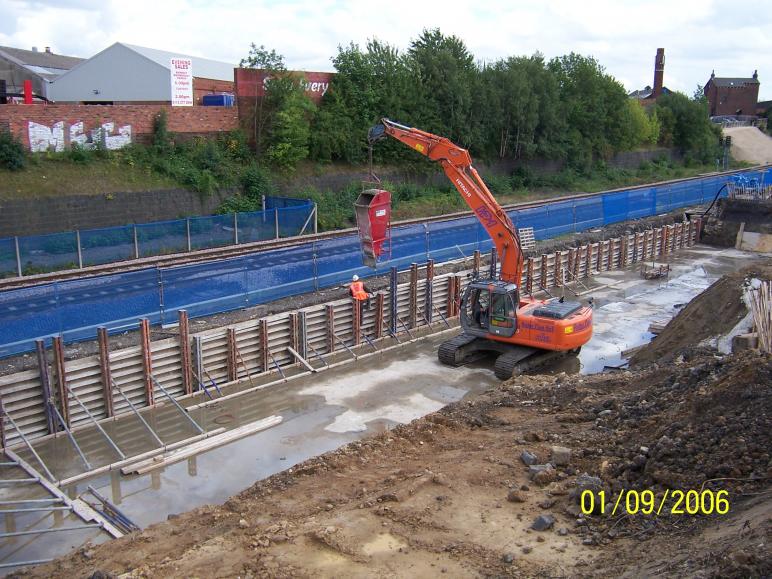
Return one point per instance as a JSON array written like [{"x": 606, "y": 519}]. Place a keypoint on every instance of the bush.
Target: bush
[{"x": 12, "y": 154}]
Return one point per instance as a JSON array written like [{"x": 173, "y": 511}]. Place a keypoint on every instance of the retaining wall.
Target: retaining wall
[{"x": 264, "y": 345}]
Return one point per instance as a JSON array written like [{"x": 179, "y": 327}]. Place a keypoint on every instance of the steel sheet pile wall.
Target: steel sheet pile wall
[{"x": 254, "y": 347}]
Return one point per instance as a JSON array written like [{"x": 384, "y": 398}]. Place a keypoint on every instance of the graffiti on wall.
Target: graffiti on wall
[{"x": 56, "y": 138}]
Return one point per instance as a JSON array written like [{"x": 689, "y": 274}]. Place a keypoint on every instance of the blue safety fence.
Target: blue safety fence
[
  {"x": 75, "y": 308},
  {"x": 283, "y": 217}
]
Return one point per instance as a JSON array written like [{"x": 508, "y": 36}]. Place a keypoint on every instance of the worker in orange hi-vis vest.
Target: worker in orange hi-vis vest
[{"x": 360, "y": 292}]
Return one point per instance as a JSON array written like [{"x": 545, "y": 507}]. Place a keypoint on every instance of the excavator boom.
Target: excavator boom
[
  {"x": 524, "y": 332},
  {"x": 457, "y": 164}
]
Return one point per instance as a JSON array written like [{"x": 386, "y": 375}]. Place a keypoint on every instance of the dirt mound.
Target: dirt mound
[
  {"x": 750, "y": 144},
  {"x": 712, "y": 313},
  {"x": 450, "y": 493}
]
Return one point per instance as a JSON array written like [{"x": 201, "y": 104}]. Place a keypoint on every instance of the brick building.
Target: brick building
[
  {"x": 732, "y": 96},
  {"x": 129, "y": 74}
]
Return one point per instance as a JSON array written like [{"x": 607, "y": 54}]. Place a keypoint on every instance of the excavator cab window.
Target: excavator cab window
[
  {"x": 479, "y": 305},
  {"x": 503, "y": 320}
]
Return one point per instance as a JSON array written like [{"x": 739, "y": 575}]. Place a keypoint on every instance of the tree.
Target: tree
[
  {"x": 686, "y": 125},
  {"x": 447, "y": 79},
  {"x": 288, "y": 142},
  {"x": 279, "y": 85}
]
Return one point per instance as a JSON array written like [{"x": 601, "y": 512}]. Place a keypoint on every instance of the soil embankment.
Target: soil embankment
[{"x": 452, "y": 493}]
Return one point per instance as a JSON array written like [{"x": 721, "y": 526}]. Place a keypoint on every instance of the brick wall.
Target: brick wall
[
  {"x": 728, "y": 100},
  {"x": 205, "y": 86},
  {"x": 182, "y": 120}
]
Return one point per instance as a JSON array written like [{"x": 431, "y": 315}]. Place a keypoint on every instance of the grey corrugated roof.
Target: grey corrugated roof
[
  {"x": 202, "y": 67},
  {"x": 43, "y": 59},
  {"x": 728, "y": 81}
]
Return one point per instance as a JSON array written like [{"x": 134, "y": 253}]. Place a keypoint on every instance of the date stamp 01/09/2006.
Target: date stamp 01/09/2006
[{"x": 669, "y": 502}]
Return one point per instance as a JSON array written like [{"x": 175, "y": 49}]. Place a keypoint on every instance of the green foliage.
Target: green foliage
[
  {"x": 12, "y": 154},
  {"x": 289, "y": 139},
  {"x": 79, "y": 155},
  {"x": 162, "y": 140},
  {"x": 686, "y": 125}
]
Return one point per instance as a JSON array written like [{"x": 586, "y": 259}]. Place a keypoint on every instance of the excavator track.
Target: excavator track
[
  {"x": 454, "y": 352},
  {"x": 517, "y": 362}
]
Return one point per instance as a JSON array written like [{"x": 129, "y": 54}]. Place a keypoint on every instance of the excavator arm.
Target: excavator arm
[{"x": 457, "y": 164}]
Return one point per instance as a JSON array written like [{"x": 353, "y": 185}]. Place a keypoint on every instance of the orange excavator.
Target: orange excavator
[{"x": 524, "y": 331}]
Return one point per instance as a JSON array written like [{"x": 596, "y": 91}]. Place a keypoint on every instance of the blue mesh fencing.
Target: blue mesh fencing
[
  {"x": 282, "y": 202},
  {"x": 256, "y": 226},
  {"x": 7, "y": 257},
  {"x": 162, "y": 237},
  {"x": 107, "y": 245},
  {"x": 75, "y": 308},
  {"x": 44, "y": 253},
  {"x": 48, "y": 252},
  {"x": 212, "y": 231}
]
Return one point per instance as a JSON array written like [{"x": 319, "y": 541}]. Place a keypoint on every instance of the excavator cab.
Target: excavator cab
[{"x": 490, "y": 307}]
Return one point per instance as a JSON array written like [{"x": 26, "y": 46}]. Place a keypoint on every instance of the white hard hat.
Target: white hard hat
[{"x": 355, "y": 278}]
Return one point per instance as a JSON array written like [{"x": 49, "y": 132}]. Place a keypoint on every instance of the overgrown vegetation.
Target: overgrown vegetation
[
  {"x": 12, "y": 156},
  {"x": 567, "y": 110}
]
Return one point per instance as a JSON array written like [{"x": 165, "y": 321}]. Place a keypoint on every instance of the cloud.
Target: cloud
[{"x": 698, "y": 35}]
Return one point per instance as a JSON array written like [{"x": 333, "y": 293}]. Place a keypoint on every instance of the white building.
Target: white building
[{"x": 129, "y": 74}]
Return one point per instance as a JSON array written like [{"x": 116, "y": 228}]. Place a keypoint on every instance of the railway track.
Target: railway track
[{"x": 228, "y": 251}]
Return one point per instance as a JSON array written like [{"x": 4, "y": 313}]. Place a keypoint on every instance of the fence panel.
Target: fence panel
[
  {"x": 52, "y": 252},
  {"x": 107, "y": 245},
  {"x": 162, "y": 237},
  {"x": 7, "y": 257}
]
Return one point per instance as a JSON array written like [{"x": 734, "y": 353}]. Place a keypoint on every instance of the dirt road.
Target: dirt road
[{"x": 750, "y": 144}]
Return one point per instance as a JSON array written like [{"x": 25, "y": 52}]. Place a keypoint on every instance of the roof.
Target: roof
[
  {"x": 732, "y": 81},
  {"x": 45, "y": 64},
  {"x": 646, "y": 93},
  {"x": 202, "y": 67}
]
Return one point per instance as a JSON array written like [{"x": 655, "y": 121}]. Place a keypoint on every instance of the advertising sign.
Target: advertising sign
[{"x": 182, "y": 82}]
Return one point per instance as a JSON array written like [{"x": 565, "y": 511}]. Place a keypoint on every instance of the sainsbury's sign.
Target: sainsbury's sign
[{"x": 251, "y": 82}]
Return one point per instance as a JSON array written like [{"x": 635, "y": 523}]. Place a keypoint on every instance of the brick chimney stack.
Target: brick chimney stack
[{"x": 659, "y": 72}]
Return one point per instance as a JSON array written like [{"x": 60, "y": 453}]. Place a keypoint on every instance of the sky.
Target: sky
[{"x": 698, "y": 35}]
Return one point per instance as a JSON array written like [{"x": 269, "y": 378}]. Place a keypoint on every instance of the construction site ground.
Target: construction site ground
[{"x": 450, "y": 493}]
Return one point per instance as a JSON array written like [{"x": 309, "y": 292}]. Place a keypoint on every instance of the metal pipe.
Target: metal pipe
[
  {"x": 342, "y": 343},
  {"x": 187, "y": 233},
  {"x": 177, "y": 404},
  {"x": 3, "y": 413},
  {"x": 34, "y": 510},
  {"x": 276, "y": 221},
  {"x": 96, "y": 422},
  {"x": 134, "y": 409},
  {"x": 136, "y": 243},
  {"x": 41, "y": 531},
  {"x": 276, "y": 364},
  {"x": 17, "y": 480},
  {"x": 18, "y": 256},
  {"x": 24, "y": 563},
  {"x": 24, "y": 502},
  {"x": 235, "y": 228},
  {"x": 72, "y": 438},
  {"x": 80, "y": 250},
  {"x": 318, "y": 355}
]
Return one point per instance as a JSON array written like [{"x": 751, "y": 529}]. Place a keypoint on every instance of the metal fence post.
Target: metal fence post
[
  {"x": 316, "y": 218},
  {"x": 276, "y": 221},
  {"x": 236, "y": 228},
  {"x": 18, "y": 256},
  {"x": 136, "y": 243},
  {"x": 187, "y": 233},
  {"x": 80, "y": 249}
]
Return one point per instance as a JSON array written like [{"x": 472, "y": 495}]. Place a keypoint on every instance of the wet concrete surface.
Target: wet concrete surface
[{"x": 321, "y": 412}]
